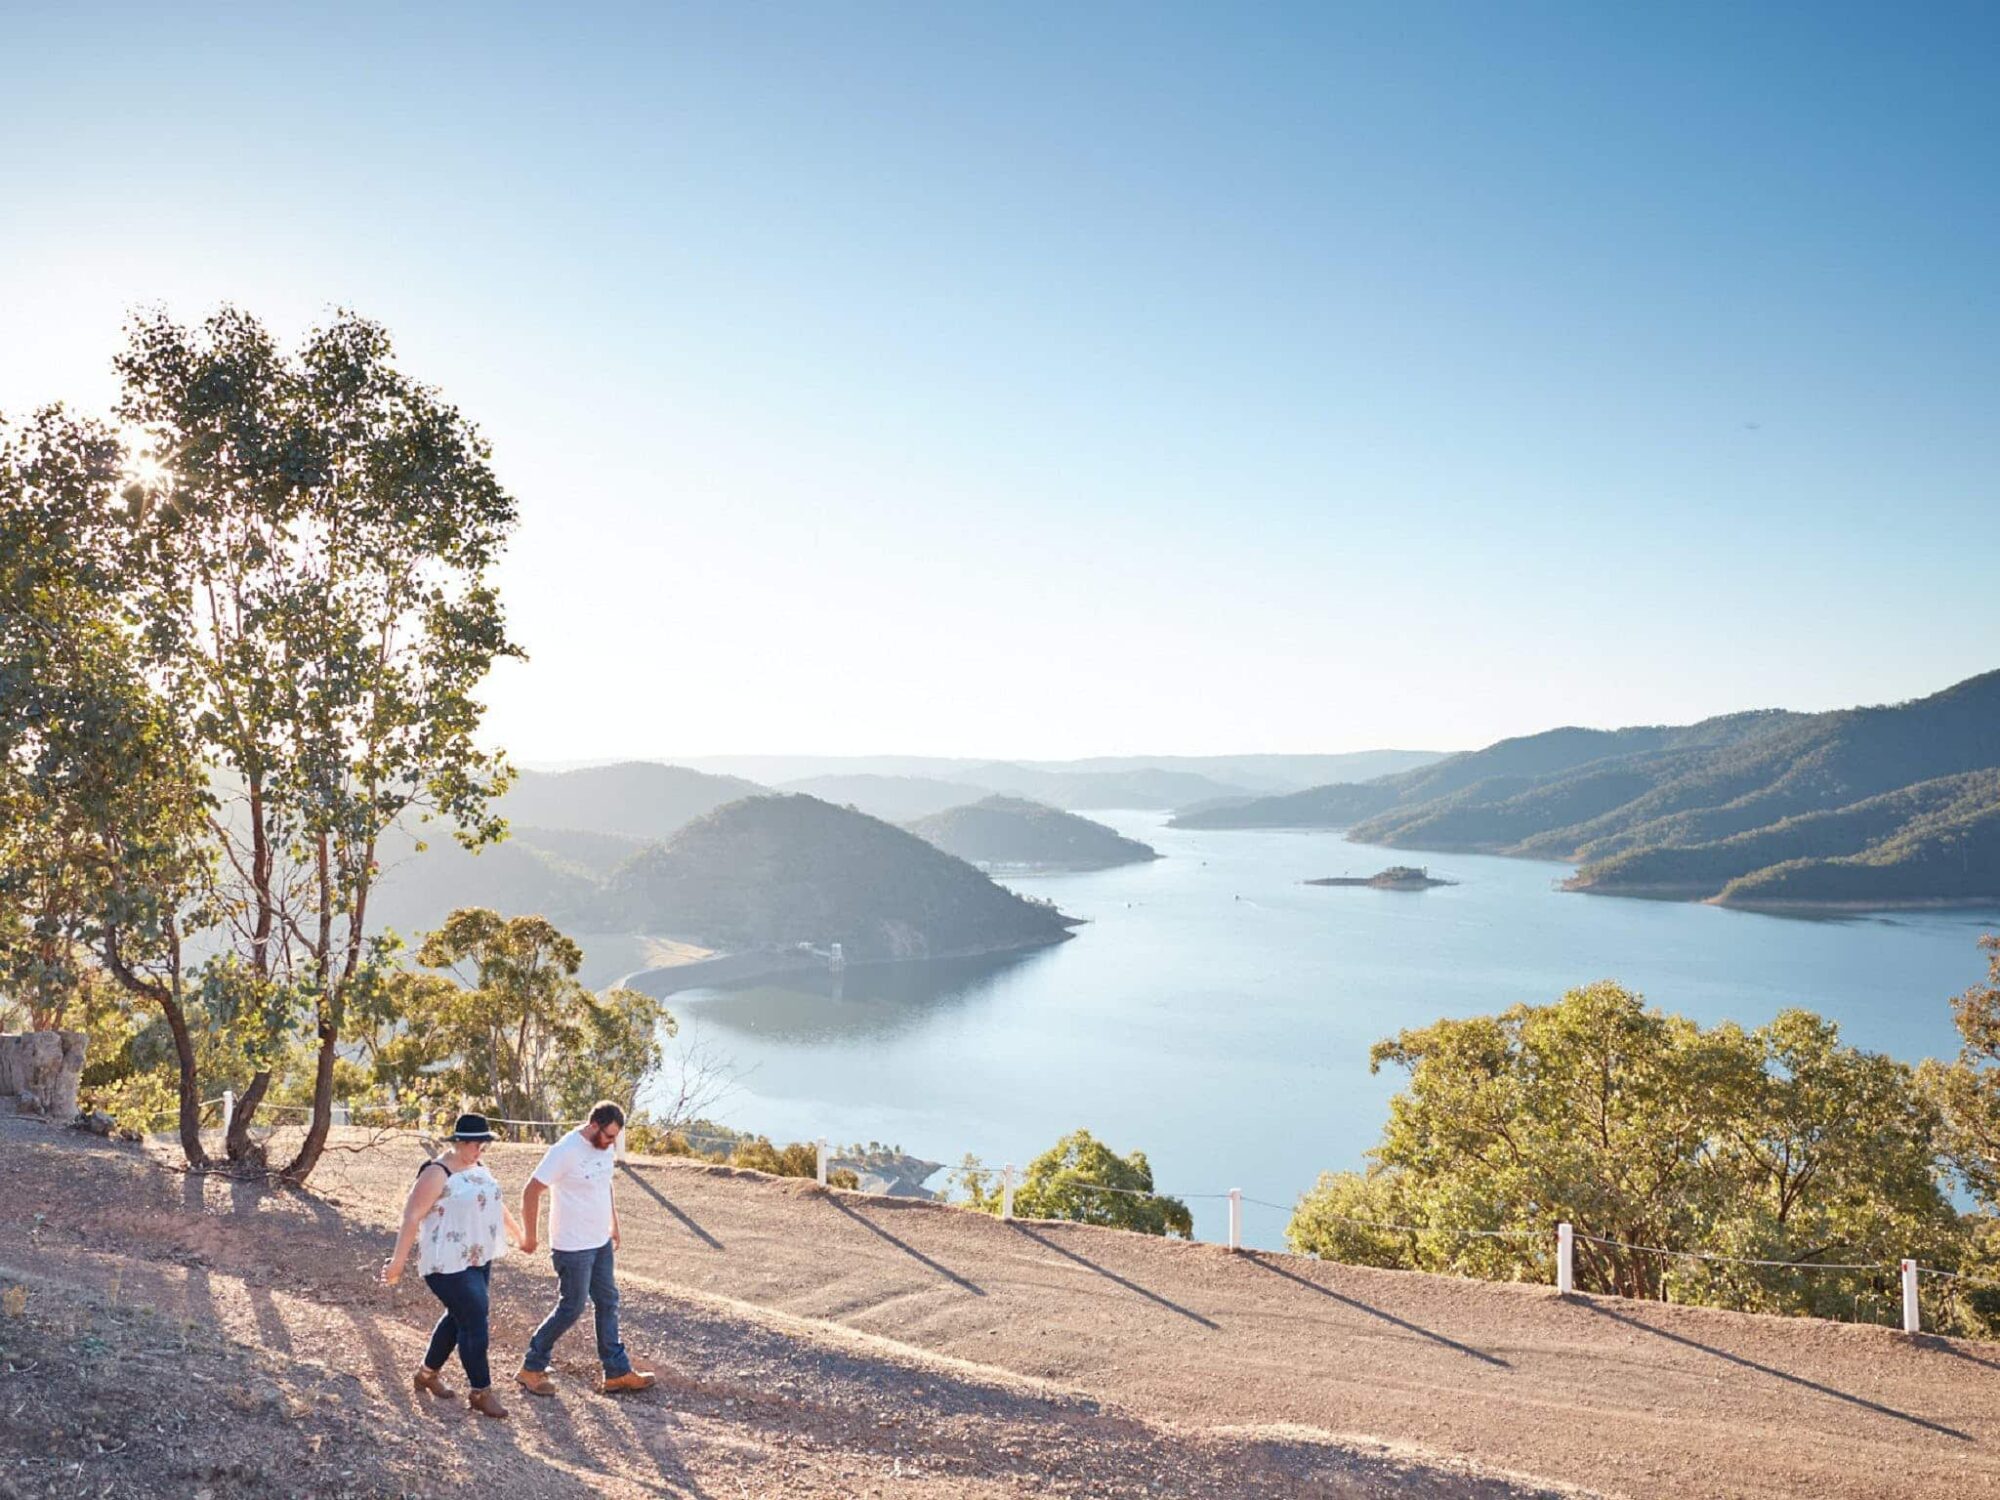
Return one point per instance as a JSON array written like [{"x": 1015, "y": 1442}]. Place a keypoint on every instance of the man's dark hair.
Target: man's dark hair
[{"x": 604, "y": 1113}]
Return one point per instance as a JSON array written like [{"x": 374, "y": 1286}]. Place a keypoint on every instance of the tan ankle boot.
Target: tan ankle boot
[
  {"x": 535, "y": 1383},
  {"x": 486, "y": 1404},
  {"x": 427, "y": 1379},
  {"x": 631, "y": 1380}
]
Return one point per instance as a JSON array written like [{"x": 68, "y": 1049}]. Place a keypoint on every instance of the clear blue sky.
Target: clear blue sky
[{"x": 1055, "y": 379}]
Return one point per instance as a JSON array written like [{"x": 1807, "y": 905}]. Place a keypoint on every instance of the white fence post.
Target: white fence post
[
  {"x": 1236, "y": 1218},
  {"x": 228, "y": 1109},
  {"x": 819, "y": 1147},
  {"x": 1912, "y": 1321},
  {"x": 1007, "y": 1191},
  {"x": 618, "y": 1145},
  {"x": 1565, "y": 1259}
]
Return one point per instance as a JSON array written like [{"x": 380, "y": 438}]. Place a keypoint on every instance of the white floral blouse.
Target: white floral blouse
[{"x": 465, "y": 1227}]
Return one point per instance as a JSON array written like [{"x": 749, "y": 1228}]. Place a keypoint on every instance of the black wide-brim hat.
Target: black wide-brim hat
[{"x": 472, "y": 1128}]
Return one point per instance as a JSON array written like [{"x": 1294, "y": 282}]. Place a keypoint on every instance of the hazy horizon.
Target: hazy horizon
[
  {"x": 694, "y": 758},
  {"x": 1041, "y": 383}
]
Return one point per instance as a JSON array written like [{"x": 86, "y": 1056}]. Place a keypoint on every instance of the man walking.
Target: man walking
[{"x": 583, "y": 1236}]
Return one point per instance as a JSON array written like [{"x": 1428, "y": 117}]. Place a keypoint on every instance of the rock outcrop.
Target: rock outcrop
[{"x": 40, "y": 1072}]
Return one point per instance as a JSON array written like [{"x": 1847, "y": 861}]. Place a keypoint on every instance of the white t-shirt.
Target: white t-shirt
[{"x": 578, "y": 1176}]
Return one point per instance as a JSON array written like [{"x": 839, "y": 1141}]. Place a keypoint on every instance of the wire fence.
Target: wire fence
[
  {"x": 879, "y": 1163},
  {"x": 1740, "y": 1260}
]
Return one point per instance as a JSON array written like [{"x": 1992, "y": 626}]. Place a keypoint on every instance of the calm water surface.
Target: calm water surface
[{"x": 1218, "y": 1013}]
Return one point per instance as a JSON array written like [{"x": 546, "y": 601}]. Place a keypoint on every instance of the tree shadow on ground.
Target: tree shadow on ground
[
  {"x": 1110, "y": 1275},
  {"x": 655, "y": 1440},
  {"x": 660, "y": 1198},
  {"x": 271, "y": 1330},
  {"x": 557, "y": 1427},
  {"x": 1763, "y": 1369},
  {"x": 392, "y": 1373},
  {"x": 1939, "y": 1345},
  {"x": 908, "y": 1249},
  {"x": 1254, "y": 1258}
]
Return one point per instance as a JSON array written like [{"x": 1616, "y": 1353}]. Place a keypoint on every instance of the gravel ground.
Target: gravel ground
[
  {"x": 814, "y": 1343},
  {"x": 163, "y": 1334}
]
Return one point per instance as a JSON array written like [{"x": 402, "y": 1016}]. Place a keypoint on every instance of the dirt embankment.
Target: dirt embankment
[{"x": 181, "y": 1334}]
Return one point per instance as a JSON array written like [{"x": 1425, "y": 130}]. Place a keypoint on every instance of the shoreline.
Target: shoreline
[
  {"x": 740, "y": 968},
  {"x": 1686, "y": 895},
  {"x": 1692, "y": 896},
  {"x": 1914, "y": 903}
]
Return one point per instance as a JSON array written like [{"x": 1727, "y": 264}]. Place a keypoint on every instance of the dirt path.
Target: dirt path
[
  {"x": 187, "y": 1336},
  {"x": 834, "y": 1344},
  {"x": 1625, "y": 1397}
]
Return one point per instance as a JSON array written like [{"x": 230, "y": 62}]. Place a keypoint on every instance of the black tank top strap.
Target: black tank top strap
[{"x": 437, "y": 1162}]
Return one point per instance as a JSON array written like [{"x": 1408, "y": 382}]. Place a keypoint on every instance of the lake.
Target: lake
[{"x": 1217, "y": 1012}]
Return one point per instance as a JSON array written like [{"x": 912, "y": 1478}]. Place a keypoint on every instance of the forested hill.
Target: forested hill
[
  {"x": 1014, "y": 832},
  {"x": 1862, "y": 805},
  {"x": 1499, "y": 770},
  {"x": 773, "y": 871}
]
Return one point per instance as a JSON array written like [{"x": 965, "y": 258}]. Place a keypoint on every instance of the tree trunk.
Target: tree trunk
[
  {"x": 300, "y": 1167},
  {"x": 240, "y": 1147},
  {"x": 167, "y": 997},
  {"x": 334, "y": 990},
  {"x": 190, "y": 1085}
]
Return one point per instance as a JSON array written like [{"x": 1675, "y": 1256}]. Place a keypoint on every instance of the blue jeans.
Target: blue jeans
[
  {"x": 582, "y": 1275},
  {"x": 465, "y": 1295}
]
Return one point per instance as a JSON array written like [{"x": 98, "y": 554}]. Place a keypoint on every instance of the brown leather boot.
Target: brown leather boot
[
  {"x": 427, "y": 1379},
  {"x": 486, "y": 1403},
  {"x": 631, "y": 1380},
  {"x": 535, "y": 1383}
]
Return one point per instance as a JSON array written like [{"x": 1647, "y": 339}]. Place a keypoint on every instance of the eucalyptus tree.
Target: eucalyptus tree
[
  {"x": 1083, "y": 1180},
  {"x": 309, "y": 563},
  {"x": 101, "y": 793},
  {"x": 1654, "y": 1136},
  {"x": 506, "y": 1021},
  {"x": 1968, "y": 1088}
]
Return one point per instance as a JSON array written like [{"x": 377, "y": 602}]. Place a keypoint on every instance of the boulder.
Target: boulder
[{"x": 40, "y": 1072}]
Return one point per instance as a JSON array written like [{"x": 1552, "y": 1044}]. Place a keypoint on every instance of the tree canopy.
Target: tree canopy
[
  {"x": 508, "y": 1023},
  {"x": 1649, "y": 1133},
  {"x": 242, "y": 639},
  {"x": 1083, "y": 1180}
]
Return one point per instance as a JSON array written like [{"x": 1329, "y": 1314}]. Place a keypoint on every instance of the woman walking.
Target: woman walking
[{"x": 455, "y": 1217}]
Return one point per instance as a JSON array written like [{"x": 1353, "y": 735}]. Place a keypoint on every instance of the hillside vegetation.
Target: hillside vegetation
[
  {"x": 1014, "y": 832},
  {"x": 774, "y": 871},
  {"x": 1866, "y": 805}
]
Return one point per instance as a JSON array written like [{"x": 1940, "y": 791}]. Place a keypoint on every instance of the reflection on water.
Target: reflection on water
[
  {"x": 1218, "y": 1012},
  {"x": 864, "y": 1002}
]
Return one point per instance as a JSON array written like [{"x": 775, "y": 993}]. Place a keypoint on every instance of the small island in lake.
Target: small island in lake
[{"x": 1395, "y": 878}]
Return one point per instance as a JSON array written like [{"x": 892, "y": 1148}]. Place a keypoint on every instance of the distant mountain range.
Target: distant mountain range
[
  {"x": 897, "y": 799},
  {"x": 1863, "y": 806},
  {"x": 1014, "y": 833},
  {"x": 635, "y": 799},
  {"x": 1160, "y": 781},
  {"x": 572, "y": 834}
]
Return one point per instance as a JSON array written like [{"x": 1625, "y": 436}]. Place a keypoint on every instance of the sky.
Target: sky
[{"x": 1054, "y": 380}]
